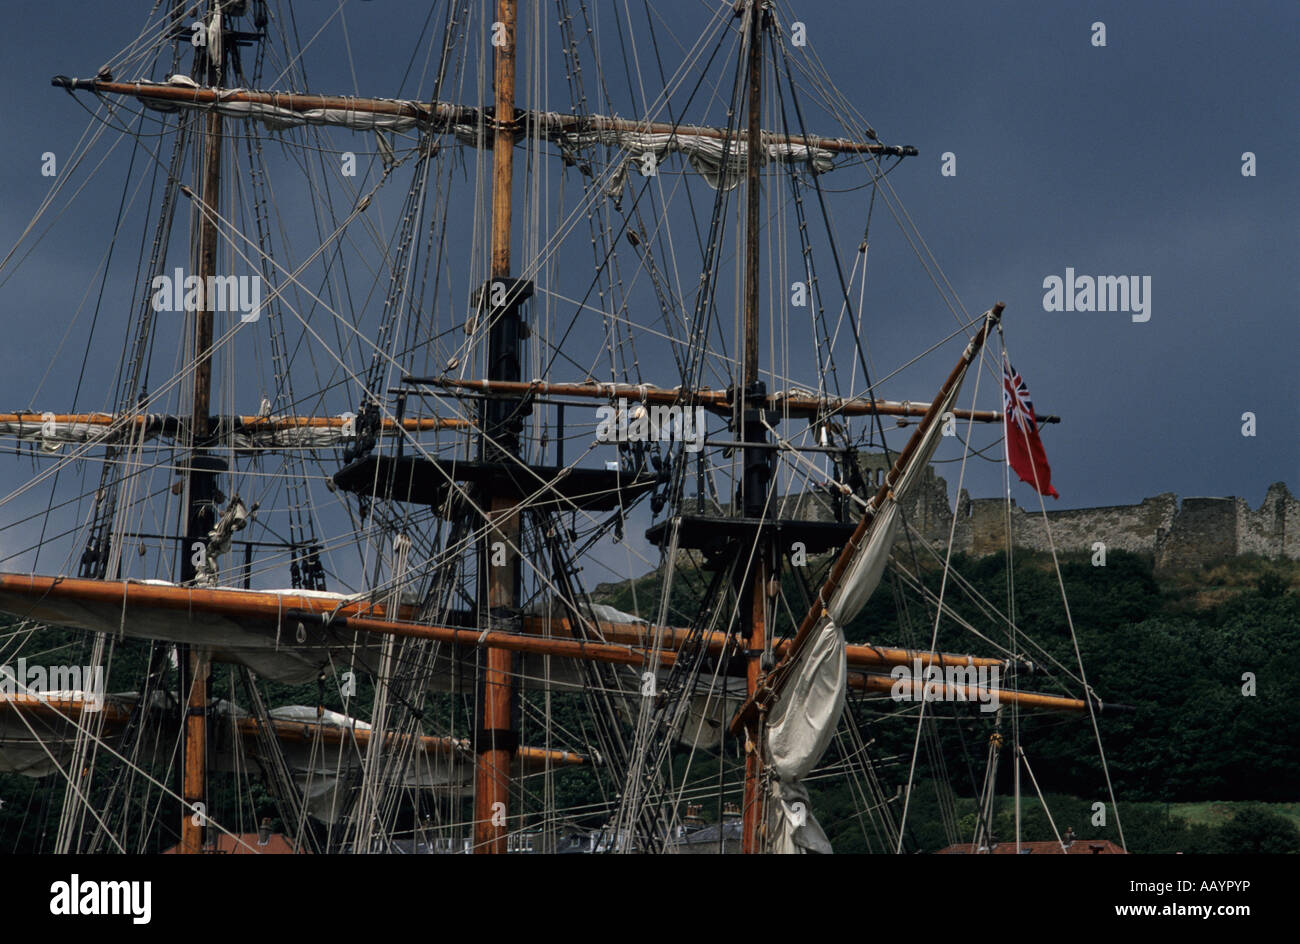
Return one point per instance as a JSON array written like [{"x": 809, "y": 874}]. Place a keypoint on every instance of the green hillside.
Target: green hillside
[{"x": 1195, "y": 758}]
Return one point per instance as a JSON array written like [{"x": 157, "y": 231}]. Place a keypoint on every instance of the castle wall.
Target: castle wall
[
  {"x": 1195, "y": 532},
  {"x": 1119, "y": 527},
  {"x": 1203, "y": 531},
  {"x": 981, "y": 525},
  {"x": 1272, "y": 530}
]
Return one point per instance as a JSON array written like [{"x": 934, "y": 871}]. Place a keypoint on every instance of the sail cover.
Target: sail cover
[
  {"x": 807, "y": 710},
  {"x": 323, "y": 755},
  {"x": 705, "y": 153},
  {"x": 39, "y": 745},
  {"x": 326, "y": 772},
  {"x": 705, "y": 150},
  {"x": 54, "y": 430},
  {"x": 277, "y": 118}
]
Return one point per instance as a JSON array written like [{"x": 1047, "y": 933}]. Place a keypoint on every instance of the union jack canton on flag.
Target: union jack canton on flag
[{"x": 1024, "y": 449}]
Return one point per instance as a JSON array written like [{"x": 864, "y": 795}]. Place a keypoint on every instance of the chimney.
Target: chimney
[{"x": 264, "y": 831}]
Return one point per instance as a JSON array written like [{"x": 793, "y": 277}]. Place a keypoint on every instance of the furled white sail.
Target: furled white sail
[
  {"x": 799, "y": 728},
  {"x": 705, "y": 150},
  {"x": 705, "y": 153},
  {"x": 323, "y": 760},
  {"x": 52, "y": 431},
  {"x": 276, "y": 118},
  {"x": 805, "y": 714},
  {"x": 325, "y": 771},
  {"x": 36, "y": 746}
]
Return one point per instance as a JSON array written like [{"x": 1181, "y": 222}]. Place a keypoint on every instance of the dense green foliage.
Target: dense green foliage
[
  {"x": 1195, "y": 733},
  {"x": 1212, "y": 691}
]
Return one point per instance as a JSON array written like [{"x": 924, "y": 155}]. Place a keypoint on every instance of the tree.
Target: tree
[{"x": 1257, "y": 830}]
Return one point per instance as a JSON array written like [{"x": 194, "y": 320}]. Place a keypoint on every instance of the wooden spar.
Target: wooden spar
[
  {"x": 625, "y": 641},
  {"x": 443, "y": 117},
  {"x": 764, "y": 698},
  {"x": 440, "y": 115},
  {"x": 541, "y": 757},
  {"x": 201, "y": 479},
  {"x": 717, "y": 643},
  {"x": 495, "y": 734},
  {"x": 56, "y": 708},
  {"x": 948, "y": 691},
  {"x": 307, "y": 731},
  {"x": 167, "y": 425},
  {"x": 607, "y": 652},
  {"x": 615, "y": 653},
  {"x": 554, "y": 126},
  {"x": 716, "y": 401},
  {"x": 756, "y": 461},
  {"x": 412, "y": 424}
]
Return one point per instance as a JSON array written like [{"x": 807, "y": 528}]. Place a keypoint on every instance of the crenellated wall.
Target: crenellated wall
[{"x": 1192, "y": 532}]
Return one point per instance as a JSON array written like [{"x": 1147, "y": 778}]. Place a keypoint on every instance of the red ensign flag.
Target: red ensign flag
[{"x": 1024, "y": 448}]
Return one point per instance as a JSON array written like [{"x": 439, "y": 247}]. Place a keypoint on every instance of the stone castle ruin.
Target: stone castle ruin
[{"x": 1190, "y": 533}]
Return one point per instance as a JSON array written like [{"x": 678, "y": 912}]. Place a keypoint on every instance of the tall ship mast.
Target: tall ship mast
[{"x": 403, "y": 378}]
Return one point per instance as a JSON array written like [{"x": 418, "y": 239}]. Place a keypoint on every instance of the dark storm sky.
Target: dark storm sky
[{"x": 1122, "y": 160}]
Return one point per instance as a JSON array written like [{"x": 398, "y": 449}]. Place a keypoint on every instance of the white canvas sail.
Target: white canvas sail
[{"x": 806, "y": 712}]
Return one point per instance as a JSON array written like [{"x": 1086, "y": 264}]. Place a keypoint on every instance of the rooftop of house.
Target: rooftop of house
[{"x": 1049, "y": 847}]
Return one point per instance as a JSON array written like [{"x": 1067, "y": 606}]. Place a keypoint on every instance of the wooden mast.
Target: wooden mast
[
  {"x": 495, "y": 736},
  {"x": 757, "y": 457},
  {"x": 201, "y": 475},
  {"x": 752, "y": 196}
]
